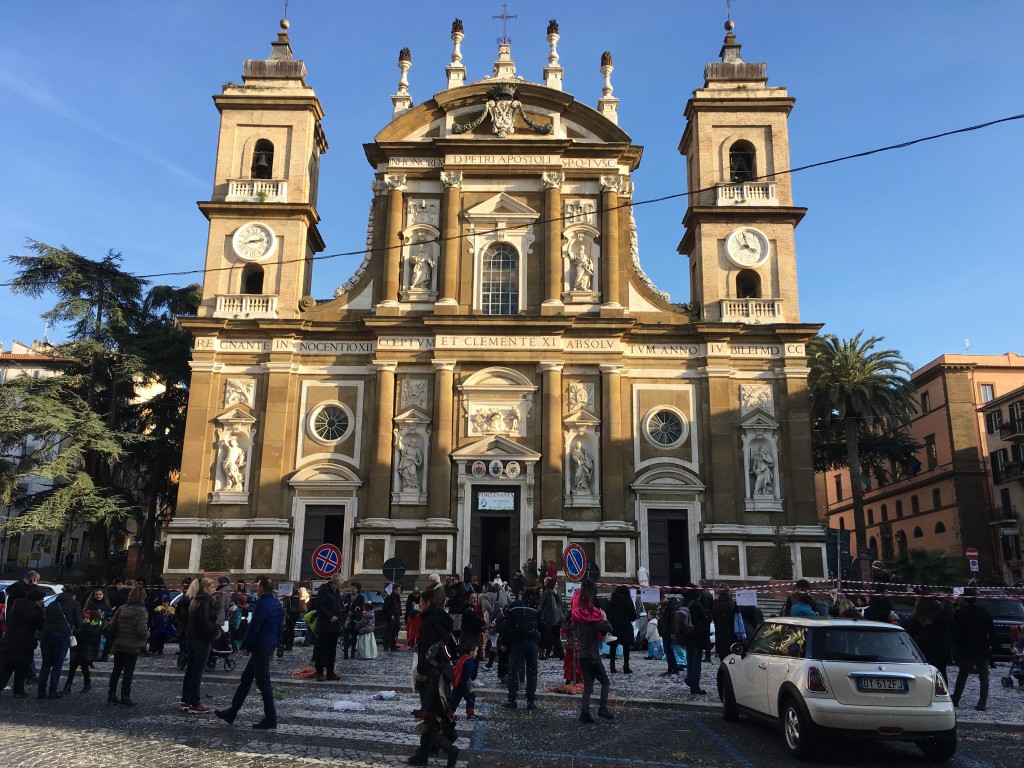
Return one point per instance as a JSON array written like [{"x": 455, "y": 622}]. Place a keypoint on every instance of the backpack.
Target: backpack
[
  {"x": 310, "y": 618},
  {"x": 682, "y": 625}
]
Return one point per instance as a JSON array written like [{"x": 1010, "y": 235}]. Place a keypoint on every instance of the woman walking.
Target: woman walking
[
  {"x": 591, "y": 624},
  {"x": 621, "y": 615},
  {"x": 200, "y": 632},
  {"x": 24, "y": 619},
  {"x": 130, "y": 636}
]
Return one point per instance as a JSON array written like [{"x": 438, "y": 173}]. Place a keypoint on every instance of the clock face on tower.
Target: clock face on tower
[
  {"x": 747, "y": 247},
  {"x": 254, "y": 241}
]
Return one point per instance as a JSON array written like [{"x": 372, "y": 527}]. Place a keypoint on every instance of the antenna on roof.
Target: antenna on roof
[
  {"x": 967, "y": 346},
  {"x": 46, "y": 331},
  {"x": 286, "y": 9}
]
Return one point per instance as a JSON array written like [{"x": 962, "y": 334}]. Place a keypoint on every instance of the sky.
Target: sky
[{"x": 109, "y": 134}]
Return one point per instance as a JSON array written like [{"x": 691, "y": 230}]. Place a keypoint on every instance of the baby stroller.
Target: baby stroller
[
  {"x": 221, "y": 650},
  {"x": 1017, "y": 662}
]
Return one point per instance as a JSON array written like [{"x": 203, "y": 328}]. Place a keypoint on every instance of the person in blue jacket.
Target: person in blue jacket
[{"x": 266, "y": 624}]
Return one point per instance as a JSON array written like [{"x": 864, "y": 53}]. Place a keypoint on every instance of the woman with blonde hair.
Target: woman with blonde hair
[{"x": 200, "y": 631}]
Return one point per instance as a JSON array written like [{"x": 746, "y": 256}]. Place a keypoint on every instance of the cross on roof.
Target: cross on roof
[{"x": 504, "y": 39}]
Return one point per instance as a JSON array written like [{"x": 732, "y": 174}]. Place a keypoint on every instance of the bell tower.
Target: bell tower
[
  {"x": 741, "y": 219},
  {"x": 262, "y": 213}
]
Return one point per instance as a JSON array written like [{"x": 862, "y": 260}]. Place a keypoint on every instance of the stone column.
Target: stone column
[
  {"x": 378, "y": 495},
  {"x": 553, "y": 226},
  {"x": 265, "y": 487},
  {"x": 448, "y": 304},
  {"x": 393, "y": 242},
  {"x": 613, "y": 441},
  {"x": 611, "y": 257},
  {"x": 439, "y": 489},
  {"x": 551, "y": 464}
]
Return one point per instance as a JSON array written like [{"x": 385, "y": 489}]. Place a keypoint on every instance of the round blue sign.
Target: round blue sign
[
  {"x": 575, "y": 562},
  {"x": 326, "y": 560}
]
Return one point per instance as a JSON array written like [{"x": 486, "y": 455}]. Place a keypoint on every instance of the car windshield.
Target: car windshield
[
  {"x": 862, "y": 644},
  {"x": 1004, "y": 610}
]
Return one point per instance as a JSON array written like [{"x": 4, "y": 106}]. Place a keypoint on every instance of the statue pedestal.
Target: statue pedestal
[
  {"x": 579, "y": 297},
  {"x": 408, "y": 497},
  {"x": 416, "y": 295},
  {"x": 763, "y": 503},
  {"x": 581, "y": 500},
  {"x": 229, "y": 497}
]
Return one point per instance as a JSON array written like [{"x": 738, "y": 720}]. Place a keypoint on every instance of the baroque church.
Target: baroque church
[{"x": 499, "y": 378}]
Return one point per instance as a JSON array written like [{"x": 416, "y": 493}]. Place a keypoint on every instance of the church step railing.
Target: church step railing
[
  {"x": 246, "y": 306},
  {"x": 257, "y": 191},
  {"x": 752, "y": 310}
]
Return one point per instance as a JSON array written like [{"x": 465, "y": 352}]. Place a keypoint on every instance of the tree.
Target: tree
[
  {"x": 863, "y": 389},
  {"x": 927, "y": 566},
  {"x": 780, "y": 557},
  {"x": 120, "y": 341},
  {"x": 214, "y": 555}
]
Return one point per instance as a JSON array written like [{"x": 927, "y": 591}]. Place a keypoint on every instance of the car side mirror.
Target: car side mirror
[{"x": 738, "y": 649}]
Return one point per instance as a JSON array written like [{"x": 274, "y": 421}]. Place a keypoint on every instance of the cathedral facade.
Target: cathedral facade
[{"x": 500, "y": 378}]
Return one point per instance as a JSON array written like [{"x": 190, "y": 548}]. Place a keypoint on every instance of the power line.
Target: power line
[{"x": 631, "y": 204}]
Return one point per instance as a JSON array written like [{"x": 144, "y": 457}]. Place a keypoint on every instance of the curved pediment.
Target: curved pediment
[
  {"x": 668, "y": 480},
  {"x": 325, "y": 477},
  {"x": 491, "y": 378}
]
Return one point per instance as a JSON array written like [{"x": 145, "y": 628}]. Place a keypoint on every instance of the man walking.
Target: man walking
[
  {"x": 266, "y": 624},
  {"x": 666, "y": 617},
  {"x": 393, "y": 613},
  {"x": 329, "y": 623},
  {"x": 973, "y": 634},
  {"x": 520, "y": 634}
]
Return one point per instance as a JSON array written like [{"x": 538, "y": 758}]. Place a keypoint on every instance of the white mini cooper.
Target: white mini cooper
[{"x": 822, "y": 677}]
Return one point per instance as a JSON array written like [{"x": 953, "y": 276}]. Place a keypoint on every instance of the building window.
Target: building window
[
  {"x": 748, "y": 284},
  {"x": 940, "y": 528},
  {"x": 993, "y": 420},
  {"x": 899, "y": 509},
  {"x": 839, "y": 487},
  {"x": 915, "y": 505},
  {"x": 1000, "y": 459},
  {"x": 901, "y": 545},
  {"x": 252, "y": 280},
  {"x": 873, "y": 548},
  {"x": 330, "y": 423},
  {"x": 500, "y": 280},
  {"x": 871, "y": 517},
  {"x": 741, "y": 162},
  {"x": 931, "y": 452},
  {"x": 936, "y": 498},
  {"x": 988, "y": 392},
  {"x": 885, "y": 513},
  {"x": 263, "y": 160},
  {"x": 842, "y": 523},
  {"x": 728, "y": 559},
  {"x": 926, "y": 402},
  {"x": 918, "y": 533},
  {"x": 665, "y": 428}
]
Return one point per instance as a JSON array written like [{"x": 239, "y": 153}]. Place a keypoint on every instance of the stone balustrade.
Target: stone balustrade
[
  {"x": 246, "y": 306},
  {"x": 746, "y": 193},
  {"x": 751, "y": 311},
  {"x": 257, "y": 191}
]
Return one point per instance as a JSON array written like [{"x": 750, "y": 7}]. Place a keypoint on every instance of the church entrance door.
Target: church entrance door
[
  {"x": 669, "y": 547},
  {"x": 324, "y": 525},
  {"x": 494, "y": 534}
]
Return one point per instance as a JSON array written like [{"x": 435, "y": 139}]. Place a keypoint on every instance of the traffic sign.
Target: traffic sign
[
  {"x": 326, "y": 560},
  {"x": 575, "y": 560},
  {"x": 974, "y": 565},
  {"x": 972, "y": 553},
  {"x": 394, "y": 569}
]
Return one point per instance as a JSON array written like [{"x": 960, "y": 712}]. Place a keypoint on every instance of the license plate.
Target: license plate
[{"x": 883, "y": 684}]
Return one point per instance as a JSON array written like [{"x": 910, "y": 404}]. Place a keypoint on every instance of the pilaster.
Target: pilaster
[
  {"x": 378, "y": 494},
  {"x": 613, "y": 441},
  {"x": 439, "y": 492},
  {"x": 551, "y": 464},
  {"x": 392, "y": 246},
  {"x": 267, "y": 490},
  {"x": 553, "y": 225},
  {"x": 448, "y": 304},
  {"x": 611, "y": 256}
]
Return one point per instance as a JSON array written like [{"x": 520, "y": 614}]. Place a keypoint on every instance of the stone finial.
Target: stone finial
[
  {"x": 553, "y": 71},
  {"x": 606, "y": 59},
  {"x": 455, "y": 71},
  {"x": 402, "y": 101},
  {"x": 607, "y": 105},
  {"x": 553, "y": 27},
  {"x": 457, "y": 27}
]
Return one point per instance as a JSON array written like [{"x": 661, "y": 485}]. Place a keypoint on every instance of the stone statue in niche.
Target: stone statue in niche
[
  {"x": 763, "y": 468},
  {"x": 583, "y": 265},
  {"x": 422, "y": 268},
  {"x": 233, "y": 461},
  {"x": 409, "y": 462},
  {"x": 582, "y": 470},
  {"x": 579, "y": 397}
]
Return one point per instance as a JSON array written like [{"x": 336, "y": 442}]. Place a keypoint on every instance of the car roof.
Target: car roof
[{"x": 821, "y": 621}]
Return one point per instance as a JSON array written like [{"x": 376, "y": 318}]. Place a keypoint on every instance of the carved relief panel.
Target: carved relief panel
[
  {"x": 497, "y": 401},
  {"x": 414, "y": 393},
  {"x": 239, "y": 392}
]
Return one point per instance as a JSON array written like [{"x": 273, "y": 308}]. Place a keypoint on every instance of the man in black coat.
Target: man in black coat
[
  {"x": 698, "y": 639},
  {"x": 392, "y": 610},
  {"x": 24, "y": 619},
  {"x": 666, "y": 615},
  {"x": 974, "y": 634},
  {"x": 22, "y": 587},
  {"x": 520, "y": 634},
  {"x": 329, "y": 621}
]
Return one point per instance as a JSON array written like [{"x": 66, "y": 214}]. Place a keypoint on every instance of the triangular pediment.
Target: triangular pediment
[
  {"x": 581, "y": 418},
  {"x": 501, "y": 207},
  {"x": 495, "y": 446},
  {"x": 235, "y": 416},
  {"x": 758, "y": 419},
  {"x": 412, "y": 417}
]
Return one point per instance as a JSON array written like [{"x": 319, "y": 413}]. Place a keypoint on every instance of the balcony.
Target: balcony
[
  {"x": 746, "y": 193},
  {"x": 1012, "y": 431},
  {"x": 1011, "y": 471},
  {"x": 257, "y": 191},
  {"x": 998, "y": 515},
  {"x": 751, "y": 311},
  {"x": 246, "y": 307}
]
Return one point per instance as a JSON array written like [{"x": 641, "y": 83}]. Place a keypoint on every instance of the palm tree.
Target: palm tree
[
  {"x": 927, "y": 566},
  {"x": 853, "y": 383}
]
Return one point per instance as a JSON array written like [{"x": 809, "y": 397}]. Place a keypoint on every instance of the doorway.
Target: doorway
[
  {"x": 494, "y": 531},
  {"x": 669, "y": 548},
  {"x": 324, "y": 525}
]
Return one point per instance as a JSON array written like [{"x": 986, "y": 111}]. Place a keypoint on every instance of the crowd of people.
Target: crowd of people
[{"x": 456, "y": 629}]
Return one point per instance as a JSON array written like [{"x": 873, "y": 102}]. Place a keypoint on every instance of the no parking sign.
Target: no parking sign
[
  {"x": 575, "y": 562},
  {"x": 326, "y": 560}
]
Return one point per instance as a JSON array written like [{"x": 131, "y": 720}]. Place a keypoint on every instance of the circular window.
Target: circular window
[
  {"x": 665, "y": 427},
  {"x": 330, "y": 423}
]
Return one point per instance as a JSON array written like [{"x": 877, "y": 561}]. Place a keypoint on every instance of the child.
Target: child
[
  {"x": 438, "y": 728},
  {"x": 163, "y": 626},
  {"x": 464, "y": 682},
  {"x": 85, "y": 652}
]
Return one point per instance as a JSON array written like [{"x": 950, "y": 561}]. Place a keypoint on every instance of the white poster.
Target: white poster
[
  {"x": 746, "y": 597},
  {"x": 502, "y": 501},
  {"x": 650, "y": 595},
  {"x": 284, "y": 589}
]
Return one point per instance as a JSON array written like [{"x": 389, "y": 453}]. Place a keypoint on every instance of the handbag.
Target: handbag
[
  {"x": 74, "y": 640},
  {"x": 109, "y": 631}
]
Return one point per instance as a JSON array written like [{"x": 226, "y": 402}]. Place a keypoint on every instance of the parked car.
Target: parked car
[
  {"x": 1006, "y": 613},
  {"x": 49, "y": 589},
  {"x": 817, "y": 678}
]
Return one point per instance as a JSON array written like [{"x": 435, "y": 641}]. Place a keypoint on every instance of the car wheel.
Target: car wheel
[
  {"x": 797, "y": 730},
  {"x": 229, "y": 664},
  {"x": 730, "y": 712},
  {"x": 939, "y": 748}
]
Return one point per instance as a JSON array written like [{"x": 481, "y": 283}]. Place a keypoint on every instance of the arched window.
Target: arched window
[
  {"x": 940, "y": 528},
  {"x": 263, "y": 160},
  {"x": 499, "y": 293},
  {"x": 918, "y": 533},
  {"x": 915, "y": 505},
  {"x": 741, "y": 162},
  {"x": 885, "y": 512},
  {"x": 748, "y": 284},
  {"x": 873, "y": 548},
  {"x": 899, "y": 509},
  {"x": 252, "y": 280},
  {"x": 871, "y": 517},
  {"x": 842, "y": 524},
  {"x": 901, "y": 544}
]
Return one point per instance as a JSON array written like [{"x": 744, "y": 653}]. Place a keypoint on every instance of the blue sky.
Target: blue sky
[{"x": 110, "y": 133}]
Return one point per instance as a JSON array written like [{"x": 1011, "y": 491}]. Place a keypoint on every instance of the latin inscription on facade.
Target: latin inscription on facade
[
  {"x": 663, "y": 350},
  {"x": 501, "y": 160}
]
